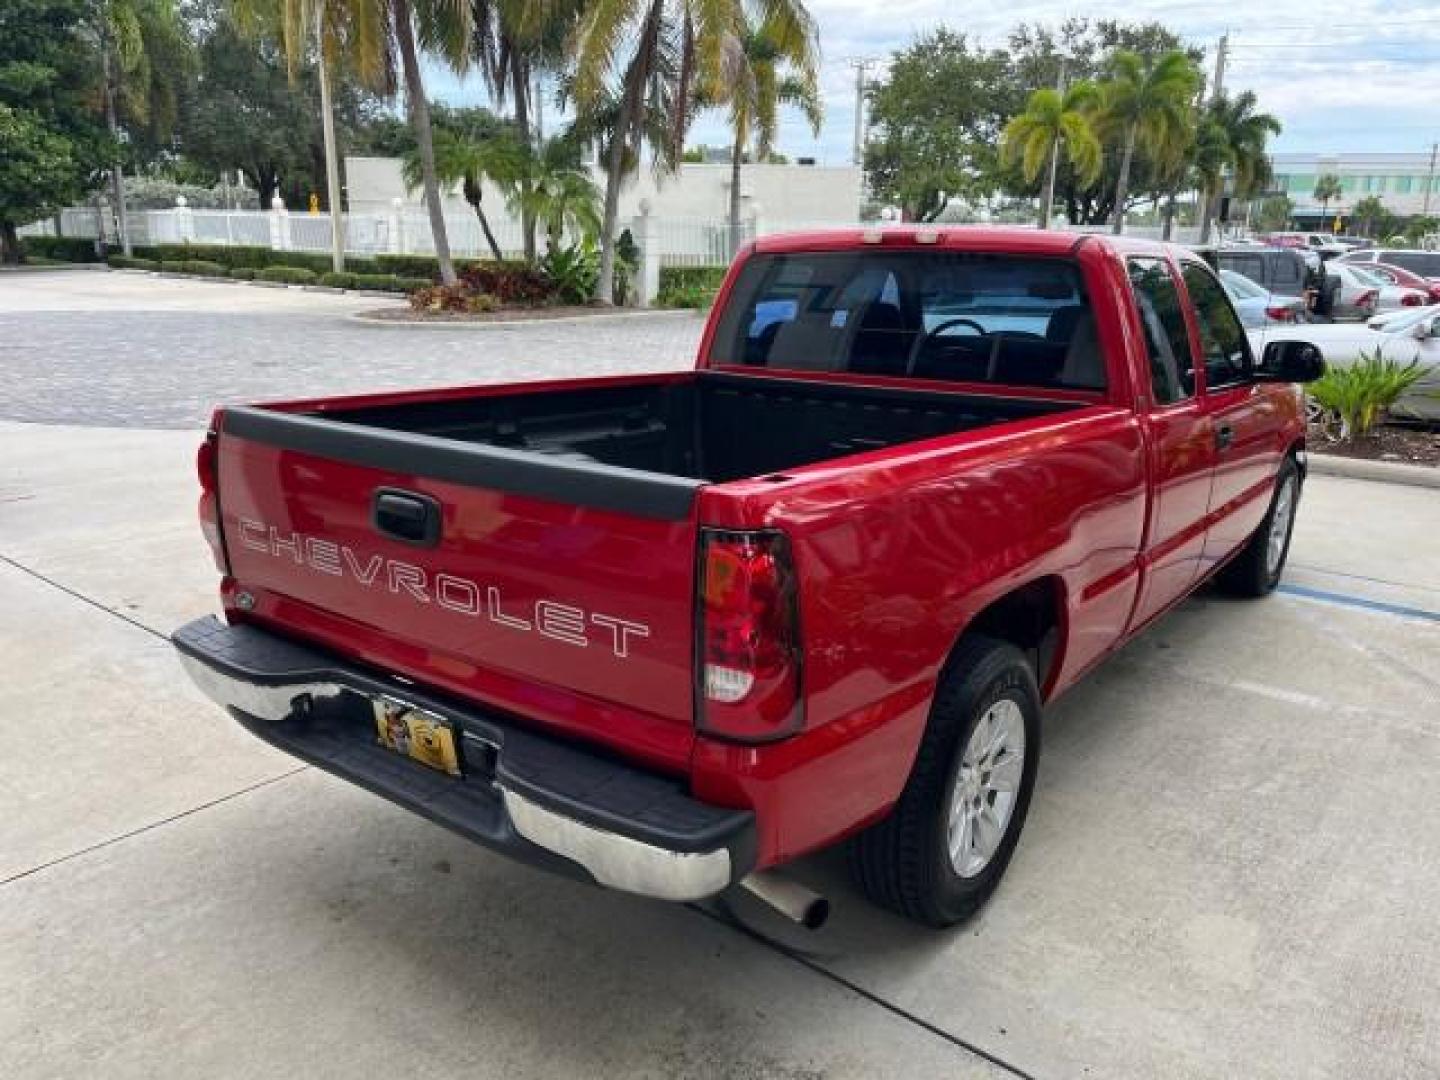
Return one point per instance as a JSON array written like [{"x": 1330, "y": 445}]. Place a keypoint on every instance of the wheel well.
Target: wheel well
[{"x": 1030, "y": 618}]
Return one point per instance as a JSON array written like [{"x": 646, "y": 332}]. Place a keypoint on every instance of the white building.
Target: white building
[
  {"x": 786, "y": 194},
  {"x": 1401, "y": 181}
]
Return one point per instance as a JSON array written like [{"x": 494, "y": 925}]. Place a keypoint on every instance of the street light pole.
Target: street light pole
[{"x": 1430, "y": 180}]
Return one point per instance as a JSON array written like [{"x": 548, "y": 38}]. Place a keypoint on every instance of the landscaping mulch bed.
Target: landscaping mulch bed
[
  {"x": 559, "y": 311},
  {"x": 1410, "y": 445}
]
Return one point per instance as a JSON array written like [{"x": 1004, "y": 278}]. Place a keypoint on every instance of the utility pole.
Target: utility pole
[
  {"x": 1212, "y": 200},
  {"x": 861, "y": 65},
  {"x": 1430, "y": 180},
  {"x": 332, "y": 165}
]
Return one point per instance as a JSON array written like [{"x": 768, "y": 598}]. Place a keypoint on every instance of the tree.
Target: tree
[
  {"x": 936, "y": 122},
  {"x": 765, "y": 66},
  {"x": 368, "y": 35},
  {"x": 142, "y": 51},
  {"x": 1238, "y": 135},
  {"x": 556, "y": 192},
  {"x": 660, "y": 50},
  {"x": 1273, "y": 213},
  {"x": 1327, "y": 189},
  {"x": 1372, "y": 218},
  {"x": 50, "y": 140},
  {"x": 1146, "y": 102},
  {"x": 470, "y": 146},
  {"x": 1054, "y": 121}
]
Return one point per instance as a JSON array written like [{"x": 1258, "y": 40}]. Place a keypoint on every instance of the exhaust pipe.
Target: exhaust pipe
[{"x": 789, "y": 897}]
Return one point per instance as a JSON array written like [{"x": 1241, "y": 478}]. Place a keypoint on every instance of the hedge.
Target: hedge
[
  {"x": 242, "y": 273},
  {"x": 689, "y": 286},
  {"x": 287, "y": 275},
  {"x": 203, "y": 268},
  {"x": 65, "y": 248},
  {"x": 120, "y": 262}
]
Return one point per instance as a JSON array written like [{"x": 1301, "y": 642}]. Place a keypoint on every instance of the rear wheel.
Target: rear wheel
[
  {"x": 1257, "y": 569},
  {"x": 945, "y": 845}
]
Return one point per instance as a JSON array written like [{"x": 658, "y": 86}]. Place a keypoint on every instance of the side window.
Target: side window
[
  {"x": 1172, "y": 367},
  {"x": 1289, "y": 273},
  {"x": 1222, "y": 339}
]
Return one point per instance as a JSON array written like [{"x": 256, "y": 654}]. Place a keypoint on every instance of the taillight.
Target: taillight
[
  {"x": 207, "y": 468},
  {"x": 1412, "y": 299},
  {"x": 1367, "y": 299},
  {"x": 1280, "y": 313},
  {"x": 749, "y": 630}
]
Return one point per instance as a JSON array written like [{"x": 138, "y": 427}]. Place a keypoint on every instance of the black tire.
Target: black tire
[
  {"x": 903, "y": 861},
  {"x": 1251, "y": 573}
]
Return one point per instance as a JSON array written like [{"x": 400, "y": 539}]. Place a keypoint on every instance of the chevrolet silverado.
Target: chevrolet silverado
[{"x": 666, "y": 633}]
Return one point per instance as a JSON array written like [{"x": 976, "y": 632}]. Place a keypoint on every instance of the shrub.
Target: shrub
[
  {"x": 287, "y": 275},
  {"x": 509, "y": 283},
  {"x": 172, "y": 266},
  {"x": 243, "y": 273},
  {"x": 338, "y": 281},
  {"x": 572, "y": 272},
  {"x": 64, "y": 248},
  {"x": 1361, "y": 394},
  {"x": 120, "y": 262},
  {"x": 689, "y": 286},
  {"x": 204, "y": 268},
  {"x": 459, "y": 298},
  {"x": 402, "y": 284},
  {"x": 426, "y": 266}
]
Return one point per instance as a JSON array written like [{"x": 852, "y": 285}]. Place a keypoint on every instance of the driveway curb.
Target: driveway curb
[
  {"x": 560, "y": 320},
  {"x": 1385, "y": 472}
]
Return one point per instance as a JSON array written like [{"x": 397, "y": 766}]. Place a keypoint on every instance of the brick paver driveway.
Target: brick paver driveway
[{"x": 140, "y": 351}]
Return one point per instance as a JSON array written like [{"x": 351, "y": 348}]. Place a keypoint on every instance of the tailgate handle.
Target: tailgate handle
[{"x": 406, "y": 516}]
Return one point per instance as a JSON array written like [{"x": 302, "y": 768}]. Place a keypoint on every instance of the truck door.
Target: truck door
[
  {"x": 1181, "y": 442},
  {"x": 1244, "y": 419}
]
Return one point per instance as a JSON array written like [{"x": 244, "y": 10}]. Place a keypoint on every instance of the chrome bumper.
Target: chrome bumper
[{"x": 277, "y": 689}]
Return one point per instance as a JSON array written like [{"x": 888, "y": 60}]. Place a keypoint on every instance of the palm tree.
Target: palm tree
[
  {"x": 662, "y": 52},
  {"x": 557, "y": 192},
  {"x": 469, "y": 156},
  {"x": 1146, "y": 102},
  {"x": 1053, "y": 120},
  {"x": 1238, "y": 135},
  {"x": 369, "y": 34},
  {"x": 755, "y": 62},
  {"x": 138, "y": 42},
  {"x": 1327, "y": 189}
]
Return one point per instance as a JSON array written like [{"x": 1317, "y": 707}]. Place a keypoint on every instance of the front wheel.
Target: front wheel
[
  {"x": 944, "y": 847},
  {"x": 1257, "y": 569}
]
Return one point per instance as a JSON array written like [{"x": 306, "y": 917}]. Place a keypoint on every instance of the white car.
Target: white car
[
  {"x": 1413, "y": 335},
  {"x": 1391, "y": 297}
]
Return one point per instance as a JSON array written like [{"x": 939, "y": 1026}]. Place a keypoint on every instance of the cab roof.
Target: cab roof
[{"x": 980, "y": 238}]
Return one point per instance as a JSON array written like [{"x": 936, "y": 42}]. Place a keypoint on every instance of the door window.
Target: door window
[
  {"x": 1167, "y": 341},
  {"x": 1223, "y": 343}
]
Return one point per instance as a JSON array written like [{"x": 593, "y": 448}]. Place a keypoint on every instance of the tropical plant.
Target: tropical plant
[
  {"x": 1327, "y": 189},
  {"x": 368, "y": 35},
  {"x": 1145, "y": 102},
  {"x": 767, "y": 64},
  {"x": 1360, "y": 395},
  {"x": 1054, "y": 121},
  {"x": 554, "y": 191},
  {"x": 572, "y": 270},
  {"x": 1237, "y": 135},
  {"x": 467, "y": 151}
]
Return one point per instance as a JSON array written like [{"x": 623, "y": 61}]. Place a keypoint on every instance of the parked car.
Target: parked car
[
  {"x": 1403, "y": 336},
  {"x": 1287, "y": 271},
  {"x": 1357, "y": 299},
  {"x": 1424, "y": 263},
  {"x": 1257, "y": 306},
  {"x": 1323, "y": 244},
  {"x": 1389, "y": 297},
  {"x": 669, "y": 632},
  {"x": 1398, "y": 275}
]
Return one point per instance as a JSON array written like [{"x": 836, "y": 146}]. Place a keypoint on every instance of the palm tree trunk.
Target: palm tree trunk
[
  {"x": 1209, "y": 211},
  {"x": 1047, "y": 194},
  {"x": 485, "y": 228},
  {"x": 1122, "y": 185},
  {"x": 420, "y": 121},
  {"x": 1167, "y": 228},
  {"x": 737, "y": 153},
  {"x": 112, "y": 121},
  {"x": 614, "y": 168},
  {"x": 332, "y": 157},
  {"x": 9, "y": 244},
  {"x": 520, "y": 81}
]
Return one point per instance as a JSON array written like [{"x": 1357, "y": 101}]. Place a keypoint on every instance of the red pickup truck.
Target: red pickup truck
[{"x": 669, "y": 632}]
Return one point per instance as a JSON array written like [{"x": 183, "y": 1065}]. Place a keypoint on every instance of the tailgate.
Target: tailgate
[{"x": 559, "y": 591}]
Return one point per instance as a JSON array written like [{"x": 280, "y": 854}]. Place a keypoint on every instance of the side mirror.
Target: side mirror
[
  {"x": 1291, "y": 362},
  {"x": 1424, "y": 330}
]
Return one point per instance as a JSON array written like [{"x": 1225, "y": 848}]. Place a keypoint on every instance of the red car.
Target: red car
[
  {"x": 1408, "y": 279},
  {"x": 667, "y": 633}
]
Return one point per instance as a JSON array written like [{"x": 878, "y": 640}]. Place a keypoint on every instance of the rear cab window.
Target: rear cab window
[{"x": 926, "y": 315}]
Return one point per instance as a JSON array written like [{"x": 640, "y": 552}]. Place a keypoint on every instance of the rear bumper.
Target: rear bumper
[{"x": 554, "y": 805}]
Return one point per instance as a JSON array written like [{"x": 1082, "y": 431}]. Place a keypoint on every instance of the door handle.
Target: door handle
[
  {"x": 1224, "y": 436},
  {"x": 406, "y": 516}
]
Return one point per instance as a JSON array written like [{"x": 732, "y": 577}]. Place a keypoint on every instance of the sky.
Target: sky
[{"x": 1342, "y": 75}]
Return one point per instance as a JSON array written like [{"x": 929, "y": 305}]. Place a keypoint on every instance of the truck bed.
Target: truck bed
[{"x": 709, "y": 427}]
